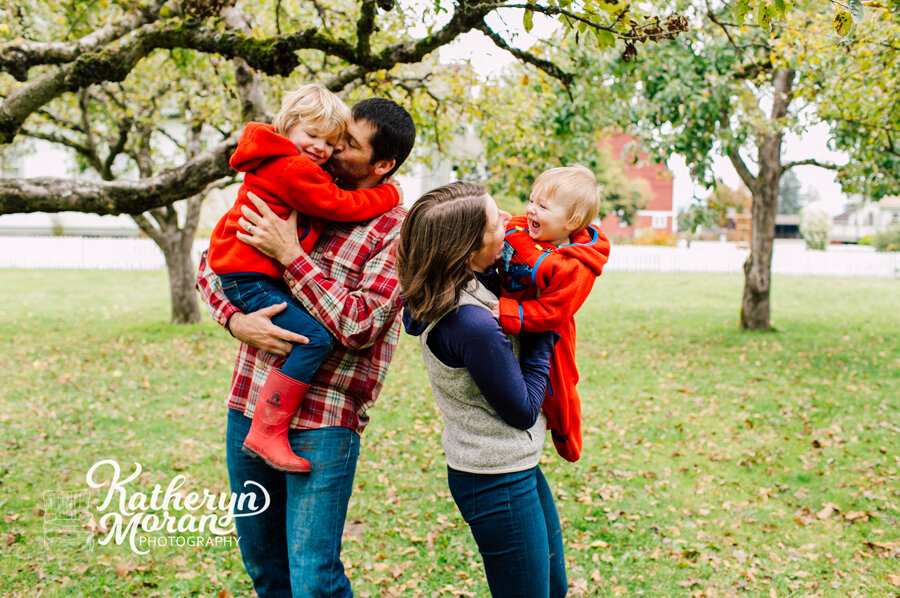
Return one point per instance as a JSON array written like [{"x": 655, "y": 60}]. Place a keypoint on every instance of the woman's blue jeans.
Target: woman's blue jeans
[
  {"x": 293, "y": 548},
  {"x": 515, "y": 524},
  {"x": 251, "y": 292}
]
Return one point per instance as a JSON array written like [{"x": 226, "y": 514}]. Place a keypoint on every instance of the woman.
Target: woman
[{"x": 489, "y": 392}]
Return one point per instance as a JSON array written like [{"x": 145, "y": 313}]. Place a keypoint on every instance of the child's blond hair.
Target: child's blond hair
[
  {"x": 575, "y": 187},
  {"x": 315, "y": 105}
]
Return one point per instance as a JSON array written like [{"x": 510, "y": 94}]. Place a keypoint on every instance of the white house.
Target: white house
[{"x": 866, "y": 218}]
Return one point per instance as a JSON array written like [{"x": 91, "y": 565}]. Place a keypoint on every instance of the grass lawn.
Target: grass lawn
[{"x": 716, "y": 462}]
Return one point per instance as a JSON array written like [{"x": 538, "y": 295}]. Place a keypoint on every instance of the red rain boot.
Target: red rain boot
[{"x": 278, "y": 401}]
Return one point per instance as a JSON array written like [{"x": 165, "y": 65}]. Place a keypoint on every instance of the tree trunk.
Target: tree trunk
[
  {"x": 182, "y": 273},
  {"x": 758, "y": 267},
  {"x": 176, "y": 243},
  {"x": 764, "y": 187}
]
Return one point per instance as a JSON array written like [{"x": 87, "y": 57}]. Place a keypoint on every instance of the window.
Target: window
[{"x": 660, "y": 221}]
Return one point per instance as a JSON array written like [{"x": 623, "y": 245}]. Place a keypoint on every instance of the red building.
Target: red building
[{"x": 659, "y": 213}]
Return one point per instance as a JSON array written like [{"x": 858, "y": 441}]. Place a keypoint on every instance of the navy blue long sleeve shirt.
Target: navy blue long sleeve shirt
[{"x": 471, "y": 337}]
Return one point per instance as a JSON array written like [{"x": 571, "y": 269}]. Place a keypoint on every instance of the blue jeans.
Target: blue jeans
[
  {"x": 293, "y": 548},
  {"x": 251, "y": 292},
  {"x": 515, "y": 524}
]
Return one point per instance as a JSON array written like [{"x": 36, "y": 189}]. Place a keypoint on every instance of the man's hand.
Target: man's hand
[
  {"x": 257, "y": 330},
  {"x": 268, "y": 233}
]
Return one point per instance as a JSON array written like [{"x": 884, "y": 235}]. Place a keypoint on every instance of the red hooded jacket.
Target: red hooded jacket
[
  {"x": 286, "y": 180},
  {"x": 543, "y": 286}
]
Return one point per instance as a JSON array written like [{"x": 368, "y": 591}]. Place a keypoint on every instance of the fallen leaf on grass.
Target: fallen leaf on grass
[
  {"x": 894, "y": 579},
  {"x": 689, "y": 583},
  {"x": 887, "y": 549},
  {"x": 856, "y": 516},
  {"x": 828, "y": 510}
]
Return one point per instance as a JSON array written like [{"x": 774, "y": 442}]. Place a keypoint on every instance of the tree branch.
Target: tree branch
[
  {"x": 544, "y": 65},
  {"x": 810, "y": 162},
  {"x": 18, "y": 57},
  {"x": 364, "y": 27},
  {"x": 148, "y": 228},
  {"x": 117, "y": 197},
  {"x": 741, "y": 167},
  {"x": 58, "y": 139},
  {"x": 249, "y": 83}
]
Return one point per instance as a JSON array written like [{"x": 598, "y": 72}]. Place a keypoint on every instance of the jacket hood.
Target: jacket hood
[
  {"x": 591, "y": 247},
  {"x": 259, "y": 142}
]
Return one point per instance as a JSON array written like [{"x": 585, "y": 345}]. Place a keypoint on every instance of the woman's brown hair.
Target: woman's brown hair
[{"x": 439, "y": 234}]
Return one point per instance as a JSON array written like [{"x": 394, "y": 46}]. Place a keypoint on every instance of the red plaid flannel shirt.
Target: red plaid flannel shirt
[{"x": 349, "y": 283}]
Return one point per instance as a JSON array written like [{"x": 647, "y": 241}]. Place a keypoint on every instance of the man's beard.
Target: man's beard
[{"x": 343, "y": 176}]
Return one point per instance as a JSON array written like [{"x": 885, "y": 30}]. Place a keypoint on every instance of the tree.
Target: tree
[
  {"x": 695, "y": 216},
  {"x": 857, "y": 95},
  {"x": 790, "y": 198},
  {"x": 815, "y": 227},
  {"x": 544, "y": 131},
  {"x": 151, "y": 95},
  {"x": 725, "y": 201},
  {"x": 733, "y": 89}
]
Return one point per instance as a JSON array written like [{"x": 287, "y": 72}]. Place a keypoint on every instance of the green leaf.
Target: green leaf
[
  {"x": 528, "y": 20},
  {"x": 856, "y": 10},
  {"x": 740, "y": 10},
  {"x": 781, "y": 7},
  {"x": 605, "y": 39},
  {"x": 843, "y": 22},
  {"x": 766, "y": 13}
]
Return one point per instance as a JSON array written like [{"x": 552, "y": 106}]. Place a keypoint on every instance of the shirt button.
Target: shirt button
[{"x": 329, "y": 254}]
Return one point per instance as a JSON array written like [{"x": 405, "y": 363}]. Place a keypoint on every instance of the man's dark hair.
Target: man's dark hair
[{"x": 395, "y": 132}]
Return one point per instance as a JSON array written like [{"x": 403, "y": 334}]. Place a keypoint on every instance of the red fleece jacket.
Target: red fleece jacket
[
  {"x": 543, "y": 287},
  {"x": 286, "y": 180}
]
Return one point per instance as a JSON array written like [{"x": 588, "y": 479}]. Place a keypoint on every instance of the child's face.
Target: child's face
[
  {"x": 311, "y": 142},
  {"x": 548, "y": 219}
]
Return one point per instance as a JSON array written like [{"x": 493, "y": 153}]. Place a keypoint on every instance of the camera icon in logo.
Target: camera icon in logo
[{"x": 67, "y": 519}]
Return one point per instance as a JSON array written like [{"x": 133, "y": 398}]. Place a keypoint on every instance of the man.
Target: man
[{"x": 349, "y": 283}]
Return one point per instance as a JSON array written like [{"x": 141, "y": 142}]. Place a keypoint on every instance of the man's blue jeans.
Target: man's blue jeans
[
  {"x": 515, "y": 524},
  {"x": 293, "y": 548},
  {"x": 251, "y": 292}
]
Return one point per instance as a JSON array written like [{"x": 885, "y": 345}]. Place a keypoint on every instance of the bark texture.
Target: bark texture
[{"x": 755, "y": 311}]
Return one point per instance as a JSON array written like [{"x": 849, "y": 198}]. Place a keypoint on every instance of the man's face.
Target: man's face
[{"x": 351, "y": 161}]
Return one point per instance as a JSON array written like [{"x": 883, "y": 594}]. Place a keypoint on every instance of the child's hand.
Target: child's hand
[
  {"x": 496, "y": 310},
  {"x": 391, "y": 180}
]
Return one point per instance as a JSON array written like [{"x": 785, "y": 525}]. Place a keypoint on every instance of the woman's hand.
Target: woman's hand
[{"x": 268, "y": 233}]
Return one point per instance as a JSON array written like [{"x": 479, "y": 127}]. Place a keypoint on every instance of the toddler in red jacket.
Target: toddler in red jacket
[
  {"x": 550, "y": 260},
  {"x": 282, "y": 163}
]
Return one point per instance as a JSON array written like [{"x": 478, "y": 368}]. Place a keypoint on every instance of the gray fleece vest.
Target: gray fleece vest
[{"x": 475, "y": 439}]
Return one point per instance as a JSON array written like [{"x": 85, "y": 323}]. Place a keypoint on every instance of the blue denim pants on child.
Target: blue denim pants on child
[
  {"x": 251, "y": 292},
  {"x": 515, "y": 524}
]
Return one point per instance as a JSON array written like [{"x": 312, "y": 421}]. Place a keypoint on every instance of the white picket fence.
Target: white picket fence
[
  {"x": 790, "y": 258},
  {"x": 85, "y": 253}
]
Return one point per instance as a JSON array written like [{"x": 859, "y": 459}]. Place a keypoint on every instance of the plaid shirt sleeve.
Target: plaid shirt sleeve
[
  {"x": 210, "y": 288},
  {"x": 355, "y": 294}
]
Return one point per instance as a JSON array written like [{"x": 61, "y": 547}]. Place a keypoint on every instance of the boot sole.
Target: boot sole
[{"x": 251, "y": 453}]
